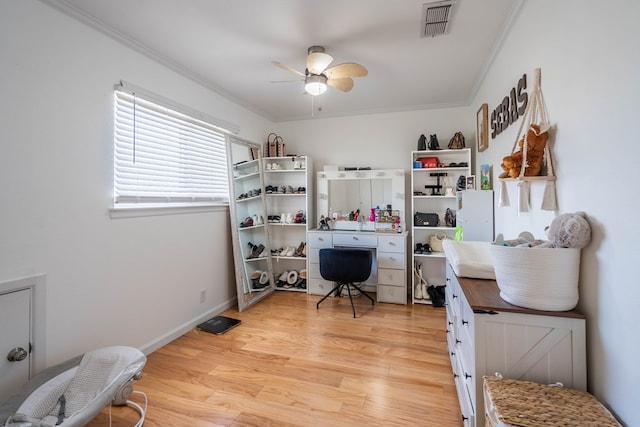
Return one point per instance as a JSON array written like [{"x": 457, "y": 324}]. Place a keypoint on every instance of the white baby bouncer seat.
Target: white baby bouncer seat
[{"x": 76, "y": 395}]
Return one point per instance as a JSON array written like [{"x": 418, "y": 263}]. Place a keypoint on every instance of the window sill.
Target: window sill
[{"x": 142, "y": 211}]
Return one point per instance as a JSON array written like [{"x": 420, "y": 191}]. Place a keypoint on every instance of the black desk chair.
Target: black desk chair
[{"x": 344, "y": 267}]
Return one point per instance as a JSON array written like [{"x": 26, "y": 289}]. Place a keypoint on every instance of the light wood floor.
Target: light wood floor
[{"x": 289, "y": 364}]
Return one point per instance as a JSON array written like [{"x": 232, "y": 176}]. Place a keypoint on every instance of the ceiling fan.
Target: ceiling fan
[{"x": 317, "y": 76}]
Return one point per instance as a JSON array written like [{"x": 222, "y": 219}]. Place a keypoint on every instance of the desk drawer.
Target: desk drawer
[
  {"x": 391, "y": 260},
  {"x": 313, "y": 255},
  {"x": 314, "y": 270},
  {"x": 392, "y": 294},
  {"x": 317, "y": 286},
  {"x": 392, "y": 277},
  {"x": 355, "y": 240},
  {"x": 320, "y": 240},
  {"x": 391, "y": 244}
]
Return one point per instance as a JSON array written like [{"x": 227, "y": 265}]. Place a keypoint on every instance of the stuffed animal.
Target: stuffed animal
[
  {"x": 536, "y": 143},
  {"x": 570, "y": 230}
]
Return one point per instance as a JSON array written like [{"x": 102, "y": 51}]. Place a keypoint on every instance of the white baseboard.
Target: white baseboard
[{"x": 186, "y": 327}]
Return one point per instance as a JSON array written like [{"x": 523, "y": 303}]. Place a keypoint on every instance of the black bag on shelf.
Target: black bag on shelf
[
  {"x": 422, "y": 143},
  {"x": 433, "y": 142},
  {"x": 421, "y": 219}
]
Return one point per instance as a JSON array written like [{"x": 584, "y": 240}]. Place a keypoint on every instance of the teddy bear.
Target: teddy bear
[
  {"x": 536, "y": 143},
  {"x": 569, "y": 230}
]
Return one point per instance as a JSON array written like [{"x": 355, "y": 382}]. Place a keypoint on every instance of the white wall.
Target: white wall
[
  {"x": 588, "y": 54},
  {"x": 129, "y": 281}
]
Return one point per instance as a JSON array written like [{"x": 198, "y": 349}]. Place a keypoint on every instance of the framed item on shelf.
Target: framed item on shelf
[
  {"x": 471, "y": 182},
  {"x": 482, "y": 127}
]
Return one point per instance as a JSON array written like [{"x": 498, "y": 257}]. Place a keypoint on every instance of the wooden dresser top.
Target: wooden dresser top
[{"x": 484, "y": 295}]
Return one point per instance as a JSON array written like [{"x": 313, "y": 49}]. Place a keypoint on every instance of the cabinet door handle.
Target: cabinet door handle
[
  {"x": 467, "y": 376},
  {"x": 454, "y": 296},
  {"x": 450, "y": 323},
  {"x": 320, "y": 239},
  {"x": 464, "y": 322},
  {"x": 355, "y": 238},
  {"x": 464, "y": 418},
  {"x": 458, "y": 342}
]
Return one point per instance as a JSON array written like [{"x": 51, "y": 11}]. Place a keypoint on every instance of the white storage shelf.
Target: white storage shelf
[
  {"x": 294, "y": 174},
  {"x": 422, "y": 200},
  {"x": 249, "y": 203}
]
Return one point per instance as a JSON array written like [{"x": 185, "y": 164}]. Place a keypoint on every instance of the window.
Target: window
[{"x": 164, "y": 157}]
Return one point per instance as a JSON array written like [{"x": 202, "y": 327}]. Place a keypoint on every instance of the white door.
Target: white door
[{"x": 14, "y": 340}]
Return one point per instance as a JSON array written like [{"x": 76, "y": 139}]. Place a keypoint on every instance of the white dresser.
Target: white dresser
[
  {"x": 486, "y": 335},
  {"x": 388, "y": 272}
]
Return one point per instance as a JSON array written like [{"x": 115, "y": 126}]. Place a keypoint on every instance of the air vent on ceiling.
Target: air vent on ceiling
[{"x": 436, "y": 18}]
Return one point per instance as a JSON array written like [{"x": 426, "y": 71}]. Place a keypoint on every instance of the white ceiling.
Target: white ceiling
[{"x": 228, "y": 46}]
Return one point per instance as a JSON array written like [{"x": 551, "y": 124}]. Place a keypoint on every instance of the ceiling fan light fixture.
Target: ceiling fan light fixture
[{"x": 315, "y": 84}]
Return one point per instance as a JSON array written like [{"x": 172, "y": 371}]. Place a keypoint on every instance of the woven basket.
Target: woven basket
[
  {"x": 538, "y": 278},
  {"x": 528, "y": 404}
]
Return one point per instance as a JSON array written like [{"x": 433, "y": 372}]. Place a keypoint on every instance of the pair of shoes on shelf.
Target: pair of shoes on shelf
[
  {"x": 256, "y": 250},
  {"x": 270, "y": 189},
  {"x": 301, "y": 190},
  {"x": 252, "y": 221},
  {"x": 273, "y": 218},
  {"x": 422, "y": 248},
  {"x": 302, "y": 280},
  {"x": 286, "y": 218},
  {"x": 287, "y": 251},
  {"x": 259, "y": 279},
  {"x": 273, "y": 166},
  {"x": 301, "y": 251},
  {"x": 291, "y": 279},
  {"x": 436, "y": 295},
  {"x": 420, "y": 289},
  {"x": 300, "y": 218}
]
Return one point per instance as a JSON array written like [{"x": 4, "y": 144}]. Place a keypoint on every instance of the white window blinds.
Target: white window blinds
[{"x": 162, "y": 156}]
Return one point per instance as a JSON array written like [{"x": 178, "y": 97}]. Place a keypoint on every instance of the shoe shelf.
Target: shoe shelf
[
  {"x": 288, "y": 195},
  {"x": 249, "y": 230},
  {"x": 431, "y": 255},
  {"x": 433, "y": 191}
]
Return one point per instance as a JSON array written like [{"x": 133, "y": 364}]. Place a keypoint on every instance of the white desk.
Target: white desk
[{"x": 388, "y": 272}]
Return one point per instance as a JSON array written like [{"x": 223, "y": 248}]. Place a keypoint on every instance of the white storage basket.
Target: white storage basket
[{"x": 538, "y": 278}]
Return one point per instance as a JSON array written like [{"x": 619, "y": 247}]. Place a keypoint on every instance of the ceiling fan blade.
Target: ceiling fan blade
[
  {"x": 287, "y": 68},
  {"x": 344, "y": 84},
  {"x": 348, "y": 69},
  {"x": 318, "y": 61}
]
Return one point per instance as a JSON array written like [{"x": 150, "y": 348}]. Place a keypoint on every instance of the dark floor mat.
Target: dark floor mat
[{"x": 219, "y": 324}]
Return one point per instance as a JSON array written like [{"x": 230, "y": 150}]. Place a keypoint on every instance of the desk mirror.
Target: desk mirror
[
  {"x": 251, "y": 249},
  {"x": 343, "y": 193}
]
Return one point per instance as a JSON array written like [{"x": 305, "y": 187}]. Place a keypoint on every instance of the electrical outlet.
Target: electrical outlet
[{"x": 203, "y": 295}]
